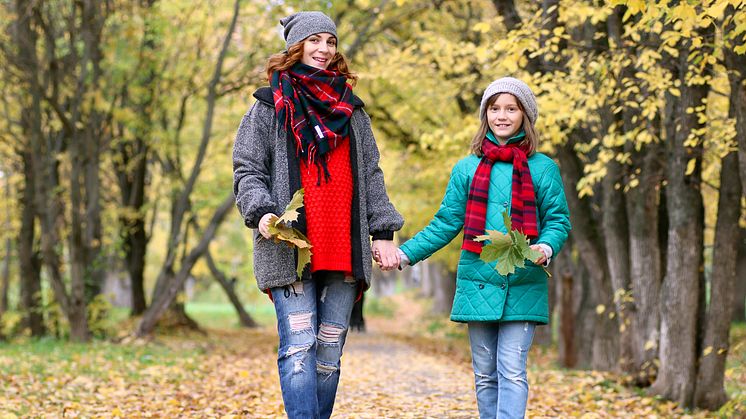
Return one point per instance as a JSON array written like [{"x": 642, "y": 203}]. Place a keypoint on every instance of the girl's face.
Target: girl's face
[
  {"x": 319, "y": 49},
  {"x": 504, "y": 117}
]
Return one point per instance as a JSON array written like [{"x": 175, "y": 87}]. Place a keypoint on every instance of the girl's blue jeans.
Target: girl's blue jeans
[
  {"x": 312, "y": 321},
  {"x": 498, "y": 352}
]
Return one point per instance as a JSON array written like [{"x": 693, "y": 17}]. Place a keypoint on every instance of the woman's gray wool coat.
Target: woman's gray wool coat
[{"x": 265, "y": 176}]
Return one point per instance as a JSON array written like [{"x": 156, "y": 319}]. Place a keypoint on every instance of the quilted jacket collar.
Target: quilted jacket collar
[{"x": 514, "y": 139}]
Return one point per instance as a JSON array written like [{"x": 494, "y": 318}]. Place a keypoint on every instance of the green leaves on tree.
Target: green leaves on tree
[
  {"x": 280, "y": 230},
  {"x": 509, "y": 250}
]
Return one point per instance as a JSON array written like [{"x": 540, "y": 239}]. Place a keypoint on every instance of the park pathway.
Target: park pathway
[{"x": 383, "y": 377}]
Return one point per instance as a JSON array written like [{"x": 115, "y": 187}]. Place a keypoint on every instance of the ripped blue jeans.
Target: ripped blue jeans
[
  {"x": 312, "y": 321},
  {"x": 499, "y": 352}
]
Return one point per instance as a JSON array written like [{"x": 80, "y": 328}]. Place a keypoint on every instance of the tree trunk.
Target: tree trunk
[
  {"x": 710, "y": 391},
  {"x": 739, "y": 293},
  {"x": 736, "y": 65},
  {"x": 230, "y": 291},
  {"x": 605, "y": 347},
  {"x": 177, "y": 317},
  {"x": 135, "y": 257},
  {"x": 616, "y": 241},
  {"x": 562, "y": 275},
  {"x": 92, "y": 141},
  {"x": 8, "y": 249},
  {"x": 645, "y": 262},
  {"x": 132, "y": 173},
  {"x": 132, "y": 225},
  {"x": 6, "y": 276},
  {"x": 680, "y": 297},
  {"x": 585, "y": 317},
  {"x": 29, "y": 261}
]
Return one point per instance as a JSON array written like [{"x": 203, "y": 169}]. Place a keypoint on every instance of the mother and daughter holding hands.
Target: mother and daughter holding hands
[{"x": 308, "y": 130}]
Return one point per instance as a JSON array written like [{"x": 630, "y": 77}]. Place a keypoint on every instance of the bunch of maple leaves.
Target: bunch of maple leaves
[
  {"x": 281, "y": 231},
  {"x": 509, "y": 250}
]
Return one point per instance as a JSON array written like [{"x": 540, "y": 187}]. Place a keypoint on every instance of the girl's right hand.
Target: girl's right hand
[{"x": 264, "y": 225}]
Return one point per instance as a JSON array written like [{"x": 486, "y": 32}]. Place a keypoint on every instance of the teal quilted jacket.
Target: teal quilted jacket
[{"x": 481, "y": 293}]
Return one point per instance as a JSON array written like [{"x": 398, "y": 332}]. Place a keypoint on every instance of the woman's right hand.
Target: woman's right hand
[{"x": 264, "y": 225}]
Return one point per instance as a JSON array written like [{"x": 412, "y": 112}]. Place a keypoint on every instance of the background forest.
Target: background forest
[{"x": 117, "y": 120}]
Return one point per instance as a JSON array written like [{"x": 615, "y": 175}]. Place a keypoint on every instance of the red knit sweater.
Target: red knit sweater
[{"x": 328, "y": 211}]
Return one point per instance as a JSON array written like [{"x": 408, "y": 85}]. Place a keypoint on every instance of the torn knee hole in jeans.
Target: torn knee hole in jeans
[
  {"x": 296, "y": 350},
  {"x": 329, "y": 333},
  {"x": 300, "y": 321},
  {"x": 350, "y": 280},
  {"x": 325, "y": 369}
]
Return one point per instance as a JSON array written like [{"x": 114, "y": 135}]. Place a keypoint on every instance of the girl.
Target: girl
[
  {"x": 308, "y": 130},
  {"x": 503, "y": 172}
]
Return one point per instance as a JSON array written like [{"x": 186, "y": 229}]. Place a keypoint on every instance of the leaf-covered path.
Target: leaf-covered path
[{"x": 385, "y": 377}]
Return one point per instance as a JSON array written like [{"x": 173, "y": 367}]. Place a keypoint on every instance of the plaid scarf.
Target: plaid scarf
[
  {"x": 317, "y": 105},
  {"x": 523, "y": 200}
]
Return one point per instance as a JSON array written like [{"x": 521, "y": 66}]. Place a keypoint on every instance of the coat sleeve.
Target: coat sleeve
[
  {"x": 447, "y": 222},
  {"x": 383, "y": 218},
  {"x": 252, "y": 163},
  {"x": 554, "y": 214}
]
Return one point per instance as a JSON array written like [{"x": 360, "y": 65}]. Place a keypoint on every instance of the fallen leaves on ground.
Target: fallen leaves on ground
[{"x": 386, "y": 373}]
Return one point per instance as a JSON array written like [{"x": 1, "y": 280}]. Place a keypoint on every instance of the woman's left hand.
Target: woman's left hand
[
  {"x": 385, "y": 254},
  {"x": 543, "y": 258}
]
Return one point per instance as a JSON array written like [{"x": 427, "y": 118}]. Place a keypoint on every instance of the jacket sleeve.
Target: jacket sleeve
[
  {"x": 252, "y": 163},
  {"x": 383, "y": 218},
  {"x": 554, "y": 214},
  {"x": 447, "y": 222}
]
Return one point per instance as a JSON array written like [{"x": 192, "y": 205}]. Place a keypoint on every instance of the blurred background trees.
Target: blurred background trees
[{"x": 117, "y": 120}]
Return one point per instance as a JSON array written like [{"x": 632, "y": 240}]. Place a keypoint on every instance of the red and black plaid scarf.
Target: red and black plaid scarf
[
  {"x": 523, "y": 200},
  {"x": 316, "y": 105}
]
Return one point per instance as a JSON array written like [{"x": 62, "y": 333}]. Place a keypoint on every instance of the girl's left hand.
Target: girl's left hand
[
  {"x": 386, "y": 254},
  {"x": 540, "y": 261}
]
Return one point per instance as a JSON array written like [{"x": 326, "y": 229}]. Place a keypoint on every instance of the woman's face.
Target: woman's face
[
  {"x": 504, "y": 117},
  {"x": 319, "y": 49}
]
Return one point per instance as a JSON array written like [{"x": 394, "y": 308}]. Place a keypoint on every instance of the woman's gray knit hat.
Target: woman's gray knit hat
[
  {"x": 301, "y": 25},
  {"x": 516, "y": 88}
]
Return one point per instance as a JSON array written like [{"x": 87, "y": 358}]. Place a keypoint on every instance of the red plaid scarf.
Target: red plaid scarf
[
  {"x": 317, "y": 105},
  {"x": 523, "y": 200}
]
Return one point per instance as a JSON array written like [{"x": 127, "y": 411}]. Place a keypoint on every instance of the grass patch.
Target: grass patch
[
  {"x": 50, "y": 357},
  {"x": 223, "y": 316}
]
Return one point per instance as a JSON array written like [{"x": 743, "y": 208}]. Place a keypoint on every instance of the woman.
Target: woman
[{"x": 308, "y": 130}]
